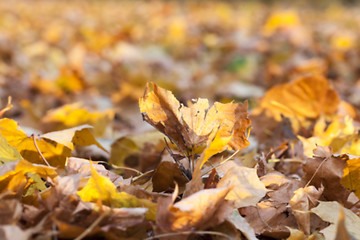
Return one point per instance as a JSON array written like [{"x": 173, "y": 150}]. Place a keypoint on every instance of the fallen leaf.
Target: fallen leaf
[
  {"x": 303, "y": 99},
  {"x": 7, "y": 152},
  {"x": 73, "y": 115},
  {"x": 242, "y": 225},
  {"x": 327, "y": 170},
  {"x": 80, "y": 135},
  {"x": 351, "y": 176},
  {"x": 247, "y": 188},
  {"x": 166, "y": 175},
  {"x": 201, "y": 210},
  {"x": 198, "y": 124},
  {"x": 54, "y": 153},
  {"x": 100, "y": 189},
  {"x": 331, "y": 212},
  {"x": 303, "y": 200}
]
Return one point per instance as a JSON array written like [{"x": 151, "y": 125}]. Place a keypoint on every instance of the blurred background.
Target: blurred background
[{"x": 90, "y": 60}]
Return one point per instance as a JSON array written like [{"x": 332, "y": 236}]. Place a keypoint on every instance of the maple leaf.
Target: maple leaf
[{"x": 197, "y": 125}]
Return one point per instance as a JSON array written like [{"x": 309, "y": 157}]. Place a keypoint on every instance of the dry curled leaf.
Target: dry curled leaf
[{"x": 197, "y": 125}]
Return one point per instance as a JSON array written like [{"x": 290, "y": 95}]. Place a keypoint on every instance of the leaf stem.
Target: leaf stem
[{"x": 37, "y": 148}]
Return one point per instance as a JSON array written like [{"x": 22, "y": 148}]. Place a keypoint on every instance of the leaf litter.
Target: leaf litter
[{"x": 76, "y": 162}]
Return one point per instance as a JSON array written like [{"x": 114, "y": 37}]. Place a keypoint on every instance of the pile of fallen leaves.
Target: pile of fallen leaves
[
  {"x": 197, "y": 180},
  {"x": 272, "y": 152}
]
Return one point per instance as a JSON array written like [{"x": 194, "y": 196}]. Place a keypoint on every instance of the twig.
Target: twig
[
  {"x": 188, "y": 233},
  {"x": 37, "y": 148},
  {"x": 92, "y": 226},
  {"x": 7, "y": 108},
  {"x": 121, "y": 167}
]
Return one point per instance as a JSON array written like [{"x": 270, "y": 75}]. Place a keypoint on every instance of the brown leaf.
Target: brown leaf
[
  {"x": 165, "y": 175},
  {"x": 327, "y": 170},
  {"x": 303, "y": 200}
]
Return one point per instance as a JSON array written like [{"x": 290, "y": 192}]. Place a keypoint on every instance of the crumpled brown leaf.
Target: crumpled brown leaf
[
  {"x": 326, "y": 170},
  {"x": 303, "y": 200}
]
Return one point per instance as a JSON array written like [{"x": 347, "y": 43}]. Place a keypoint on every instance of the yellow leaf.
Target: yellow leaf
[
  {"x": 280, "y": 19},
  {"x": 305, "y": 98},
  {"x": 351, "y": 176},
  {"x": 7, "y": 152},
  {"x": 100, "y": 189},
  {"x": 80, "y": 135},
  {"x": 72, "y": 115},
  {"x": 16, "y": 180},
  {"x": 55, "y": 153}
]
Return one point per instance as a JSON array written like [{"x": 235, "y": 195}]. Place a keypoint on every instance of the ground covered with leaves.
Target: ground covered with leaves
[{"x": 179, "y": 120}]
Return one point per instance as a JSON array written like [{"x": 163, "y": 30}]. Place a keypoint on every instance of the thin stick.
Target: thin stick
[
  {"x": 37, "y": 148},
  {"x": 7, "y": 108},
  {"x": 92, "y": 226},
  {"x": 188, "y": 233},
  {"x": 120, "y": 167}
]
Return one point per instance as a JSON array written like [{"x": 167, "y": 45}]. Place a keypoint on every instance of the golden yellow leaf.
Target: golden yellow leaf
[
  {"x": 7, "y": 152},
  {"x": 304, "y": 98},
  {"x": 341, "y": 135},
  {"x": 16, "y": 180},
  {"x": 280, "y": 19},
  {"x": 72, "y": 115},
  {"x": 351, "y": 176},
  {"x": 80, "y": 135},
  {"x": 100, "y": 189},
  {"x": 55, "y": 153}
]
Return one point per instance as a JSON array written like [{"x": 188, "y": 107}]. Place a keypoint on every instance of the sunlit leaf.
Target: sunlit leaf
[
  {"x": 7, "y": 152},
  {"x": 100, "y": 189},
  {"x": 351, "y": 176},
  {"x": 198, "y": 124}
]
